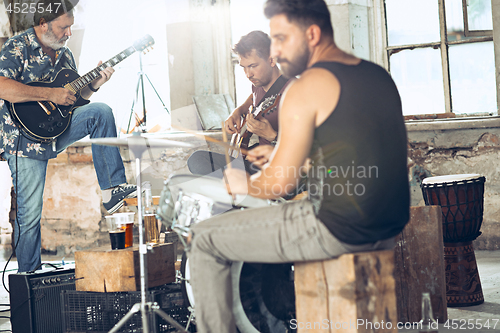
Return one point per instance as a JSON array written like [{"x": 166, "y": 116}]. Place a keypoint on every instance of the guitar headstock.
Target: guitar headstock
[{"x": 144, "y": 43}]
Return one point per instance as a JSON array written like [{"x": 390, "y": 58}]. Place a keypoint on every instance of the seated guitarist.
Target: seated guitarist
[
  {"x": 253, "y": 52},
  {"x": 35, "y": 55}
]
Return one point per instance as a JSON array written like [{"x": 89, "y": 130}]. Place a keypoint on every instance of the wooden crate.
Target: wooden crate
[
  {"x": 106, "y": 270},
  {"x": 419, "y": 265},
  {"x": 352, "y": 293}
]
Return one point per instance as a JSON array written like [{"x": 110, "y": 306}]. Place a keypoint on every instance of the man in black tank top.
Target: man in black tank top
[{"x": 341, "y": 122}]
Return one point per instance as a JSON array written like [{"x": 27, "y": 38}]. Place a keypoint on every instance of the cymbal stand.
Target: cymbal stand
[
  {"x": 140, "y": 83},
  {"x": 138, "y": 147}
]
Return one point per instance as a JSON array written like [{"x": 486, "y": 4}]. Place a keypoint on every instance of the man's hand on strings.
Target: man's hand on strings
[
  {"x": 260, "y": 155},
  {"x": 262, "y": 127},
  {"x": 236, "y": 181},
  {"x": 62, "y": 96},
  {"x": 233, "y": 123},
  {"x": 105, "y": 76}
]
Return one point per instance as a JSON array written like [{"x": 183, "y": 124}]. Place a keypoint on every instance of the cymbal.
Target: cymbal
[{"x": 137, "y": 140}]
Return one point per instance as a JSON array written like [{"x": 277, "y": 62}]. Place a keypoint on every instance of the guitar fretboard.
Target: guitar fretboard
[{"x": 85, "y": 80}]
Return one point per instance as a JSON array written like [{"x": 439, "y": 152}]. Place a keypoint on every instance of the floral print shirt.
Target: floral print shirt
[{"x": 23, "y": 60}]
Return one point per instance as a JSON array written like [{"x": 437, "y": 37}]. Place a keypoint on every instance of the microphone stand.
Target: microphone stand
[
  {"x": 138, "y": 146},
  {"x": 140, "y": 83}
]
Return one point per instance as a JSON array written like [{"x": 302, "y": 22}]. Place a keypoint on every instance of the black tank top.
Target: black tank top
[{"x": 359, "y": 181}]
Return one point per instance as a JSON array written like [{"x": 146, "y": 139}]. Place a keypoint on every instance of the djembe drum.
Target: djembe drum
[{"x": 461, "y": 199}]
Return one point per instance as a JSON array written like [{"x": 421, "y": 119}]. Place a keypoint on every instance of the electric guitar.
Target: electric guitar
[
  {"x": 44, "y": 121},
  {"x": 241, "y": 139}
]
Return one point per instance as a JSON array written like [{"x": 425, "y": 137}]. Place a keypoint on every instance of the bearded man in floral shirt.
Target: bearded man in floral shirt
[{"x": 38, "y": 54}]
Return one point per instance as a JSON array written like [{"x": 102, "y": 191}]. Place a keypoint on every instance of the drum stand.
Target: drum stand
[{"x": 145, "y": 307}]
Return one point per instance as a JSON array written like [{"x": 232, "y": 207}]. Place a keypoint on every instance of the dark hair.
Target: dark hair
[
  {"x": 255, "y": 40},
  {"x": 302, "y": 12},
  {"x": 52, "y": 9}
]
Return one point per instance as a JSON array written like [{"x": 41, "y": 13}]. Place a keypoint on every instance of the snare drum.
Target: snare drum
[
  {"x": 188, "y": 199},
  {"x": 461, "y": 201}
]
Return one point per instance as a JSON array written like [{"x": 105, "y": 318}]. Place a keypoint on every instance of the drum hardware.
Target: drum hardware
[{"x": 138, "y": 145}]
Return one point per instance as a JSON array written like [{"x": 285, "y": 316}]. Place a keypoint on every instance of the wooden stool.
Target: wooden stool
[{"x": 354, "y": 292}]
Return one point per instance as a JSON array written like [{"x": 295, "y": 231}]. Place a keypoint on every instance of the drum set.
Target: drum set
[
  {"x": 461, "y": 198},
  {"x": 263, "y": 294}
]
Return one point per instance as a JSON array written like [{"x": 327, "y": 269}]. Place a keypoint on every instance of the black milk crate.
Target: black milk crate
[{"x": 85, "y": 311}]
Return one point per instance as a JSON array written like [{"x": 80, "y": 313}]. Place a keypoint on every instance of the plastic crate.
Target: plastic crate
[{"x": 84, "y": 311}]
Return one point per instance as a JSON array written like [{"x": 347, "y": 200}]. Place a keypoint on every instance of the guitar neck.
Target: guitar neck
[{"x": 84, "y": 80}]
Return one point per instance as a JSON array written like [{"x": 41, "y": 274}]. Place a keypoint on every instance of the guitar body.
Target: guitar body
[{"x": 45, "y": 121}]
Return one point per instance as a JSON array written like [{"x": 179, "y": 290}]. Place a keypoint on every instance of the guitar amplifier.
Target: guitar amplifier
[{"x": 35, "y": 301}]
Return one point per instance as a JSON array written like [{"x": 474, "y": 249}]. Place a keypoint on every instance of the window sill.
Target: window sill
[{"x": 453, "y": 123}]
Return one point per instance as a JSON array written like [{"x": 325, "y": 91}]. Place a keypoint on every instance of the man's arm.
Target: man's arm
[
  {"x": 16, "y": 92},
  {"x": 306, "y": 104},
  {"x": 233, "y": 122}
]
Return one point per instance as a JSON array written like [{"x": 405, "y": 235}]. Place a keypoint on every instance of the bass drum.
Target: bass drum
[{"x": 263, "y": 296}]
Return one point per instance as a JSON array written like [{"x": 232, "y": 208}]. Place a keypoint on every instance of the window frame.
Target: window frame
[
  {"x": 443, "y": 45},
  {"x": 472, "y": 33}
]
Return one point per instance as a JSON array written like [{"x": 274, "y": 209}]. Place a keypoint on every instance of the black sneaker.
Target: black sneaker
[{"x": 117, "y": 195}]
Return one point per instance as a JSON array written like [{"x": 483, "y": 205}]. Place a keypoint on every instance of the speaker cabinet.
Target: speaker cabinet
[{"x": 35, "y": 301}]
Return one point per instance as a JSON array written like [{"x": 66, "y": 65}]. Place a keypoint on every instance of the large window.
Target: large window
[{"x": 441, "y": 55}]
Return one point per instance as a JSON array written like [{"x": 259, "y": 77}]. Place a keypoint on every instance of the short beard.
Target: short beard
[
  {"x": 297, "y": 65},
  {"x": 49, "y": 39}
]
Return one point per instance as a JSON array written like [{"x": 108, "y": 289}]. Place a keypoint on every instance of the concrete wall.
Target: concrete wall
[
  {"x": 73, "y": 214},
  {"x": 199, "y": 50},
  {"x": 459, "y": 147}
]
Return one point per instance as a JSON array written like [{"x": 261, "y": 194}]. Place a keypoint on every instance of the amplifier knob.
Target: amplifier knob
[
  {"x": 50, "y": 129},
  {"x": 60, "y": 124},
  {"x": 50, "y": 119},
  {"x": 41, "y": 125}
]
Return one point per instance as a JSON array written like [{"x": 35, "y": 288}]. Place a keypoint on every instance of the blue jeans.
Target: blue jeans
[{"x": 29, "y": 174}]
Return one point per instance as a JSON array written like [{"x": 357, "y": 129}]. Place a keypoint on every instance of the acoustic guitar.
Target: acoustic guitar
[
  {"x": 241, "y": 139},
  {"x": 44, "y": 121}
]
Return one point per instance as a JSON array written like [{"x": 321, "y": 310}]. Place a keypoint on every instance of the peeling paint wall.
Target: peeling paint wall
[
  {"x": 459, "y": 151},
  {"x": 73, "y": 214}
]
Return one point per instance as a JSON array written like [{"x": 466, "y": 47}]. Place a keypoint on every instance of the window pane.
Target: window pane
[
  {"x": 455, "y": 20},
  {"x": 479, "y": 13},
  {"x": 472, "y": 73},
  {"x": 412, "y": 22},
  {"x": 419, "y": 78}
]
